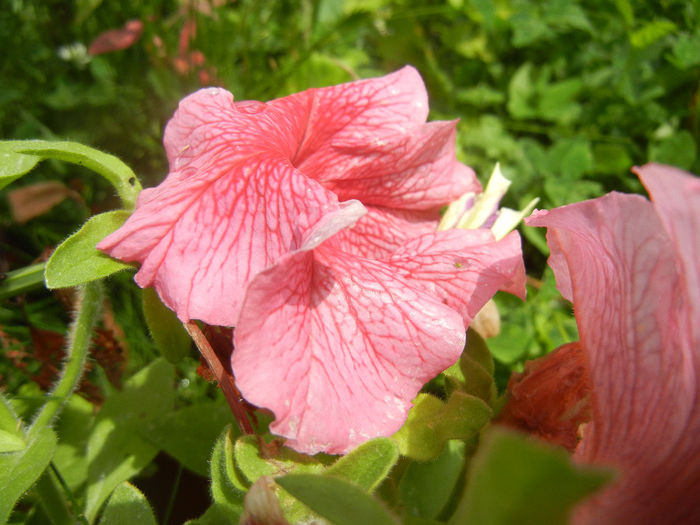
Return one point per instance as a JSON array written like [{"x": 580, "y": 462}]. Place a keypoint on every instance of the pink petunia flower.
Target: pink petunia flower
[
  {"x": 632, "y": 269},
  {"x": 308, "y": 223}
]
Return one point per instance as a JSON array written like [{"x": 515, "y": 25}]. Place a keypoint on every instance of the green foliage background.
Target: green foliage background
[{"x": 567, "y": 95}]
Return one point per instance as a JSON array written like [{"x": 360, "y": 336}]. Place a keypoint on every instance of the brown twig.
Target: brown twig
[{"x": 225, "y": 379}]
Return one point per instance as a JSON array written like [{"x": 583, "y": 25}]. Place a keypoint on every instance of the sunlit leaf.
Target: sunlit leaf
[{"x": 127, "y": 505}]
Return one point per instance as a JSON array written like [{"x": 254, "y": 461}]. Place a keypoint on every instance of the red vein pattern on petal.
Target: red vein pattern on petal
[
  {"x": 337, "y": 347},
  {"x": 463, "y": 267},
  {"x": 368, "y": 140},
  {"x": 623, "y": 275},
  {"x": 200, "y": 241},
  {"x": 382, "y": 230}
]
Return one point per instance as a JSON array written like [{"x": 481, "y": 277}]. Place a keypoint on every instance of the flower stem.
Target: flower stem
[
  {"x": 88, "y": 310},
  {"x": 226, "y": 381}
]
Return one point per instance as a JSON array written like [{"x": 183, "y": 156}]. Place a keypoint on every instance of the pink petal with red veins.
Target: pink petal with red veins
[
  {"x": 368, "y": 140},
  {"x": 382, "y": 230},
  {"x": 463, "y": 267},
  {"x": 337, "y": 347},
  {"x": 632, "y": 309},
  {"x": 227, "y": 210}
]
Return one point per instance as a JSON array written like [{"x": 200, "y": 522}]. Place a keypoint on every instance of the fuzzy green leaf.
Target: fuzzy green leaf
[
  {"x": 14, "y": 165},
  {"x": 77, "y": 261},
  {"x": 367, "y": 465},
  {"x": 127, "y": 505},
  {"x": 109, "y": 166},
  {"x": 425, "y": 488},
  {"x": 342, "y": 502},
  {"x": 116, "y": 451},
  {"x": 432, "y": 422},
  {"x": 19, "y": 470},
  {"x": 226, "y": 487},
  {"x": 167, "y": 331}
]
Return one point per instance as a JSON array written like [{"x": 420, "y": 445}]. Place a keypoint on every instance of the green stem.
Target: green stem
[
  {"x": 79, "y": 336},
  {"x": 110, "y": 167}
]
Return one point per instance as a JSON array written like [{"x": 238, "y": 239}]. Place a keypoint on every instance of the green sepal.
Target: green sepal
[
  {"x": 77, "y": 261},
  {"x": 167, "y": 331},
  {"x": 127, "y": 505},
  {"x": 514, "y": 478},
  {"x": 426, "y": 487},
  {"x": 432, "y": 422},
  {"x": 340, "y": 501},
  {"x": 227, "y": 488},
  {"x": 367, "y": 465},
  {"x": 19, "y": 470}
]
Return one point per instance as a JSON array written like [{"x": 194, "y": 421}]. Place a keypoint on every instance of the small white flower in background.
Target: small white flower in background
[
  {"x": 75, "y": 52},
  {"x": 480, "y": 210}
]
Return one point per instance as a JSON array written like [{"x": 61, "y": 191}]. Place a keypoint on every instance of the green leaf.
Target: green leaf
[
  {"x": 11, "y": 442},
  {"x": 19, "y": 470},
  {"x": 14, "y": 165},
  {"x": 226, "y": 488},
  {"x": 22, "y": 280},
  {"x": 651, "y": 32},
  {"x": 109, "y": 166},
  {"x": 541, "y": 486},
  {"x": 116, "y": 451},
  {"x": 337, "y": 500},
  {"x": 368, "y": 464},
  {"x": 426, "y": 488},
  {"x": 127, "y": 505},
  {"x": 678, "y": 150},
  {"x": 167, "y": 331},
  {"x": 431, "y": 423},
  {"x": 254, "y": 462},
  {"x": 189, "y": 434},
  {"x": 77, "y": 261},
  {"x": 74, "y": 427}
]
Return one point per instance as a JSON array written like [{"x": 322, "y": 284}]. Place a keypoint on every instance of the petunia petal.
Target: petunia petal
[
  {"x": 463, "y": 267},
  {"x": 615, "y": 258},
  {"x": 368, "y": 140},
  {"x": 382, "y": 230},
  {"x": 337, "y": 347},
  {"x": 225, "y": 212}
]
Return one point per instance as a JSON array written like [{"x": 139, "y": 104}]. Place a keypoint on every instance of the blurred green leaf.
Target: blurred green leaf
[
  {"x": 340, "y": 501},
  {"x": 167, "y": 331},
  {"x": 74, "y": 427},
  {"x": 116, "y": 451},
  {"x": 426, "y": 488},
  {"x": 651, "y": 32},
  {"x": 77, "y": 261},
  {"x": 541, "y": 486},
  {"x": 189, "y": 434},
  {"x": 678, "y": 149},
  {"x": 127, "y": 505},
  {"x": 11, "y": 442},
  {"x": 19, "y": 470}
]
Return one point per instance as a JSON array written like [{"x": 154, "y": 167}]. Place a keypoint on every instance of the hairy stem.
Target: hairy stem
[{"x": 88, "y": 310}]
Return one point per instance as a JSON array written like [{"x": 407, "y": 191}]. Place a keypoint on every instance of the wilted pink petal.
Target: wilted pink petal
[
  {"x": 338, "y": 345},
  {"x": 631, "y": 267},
  {"x": 248, "y": 180},
  {"x": 116, "y": 39}
]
